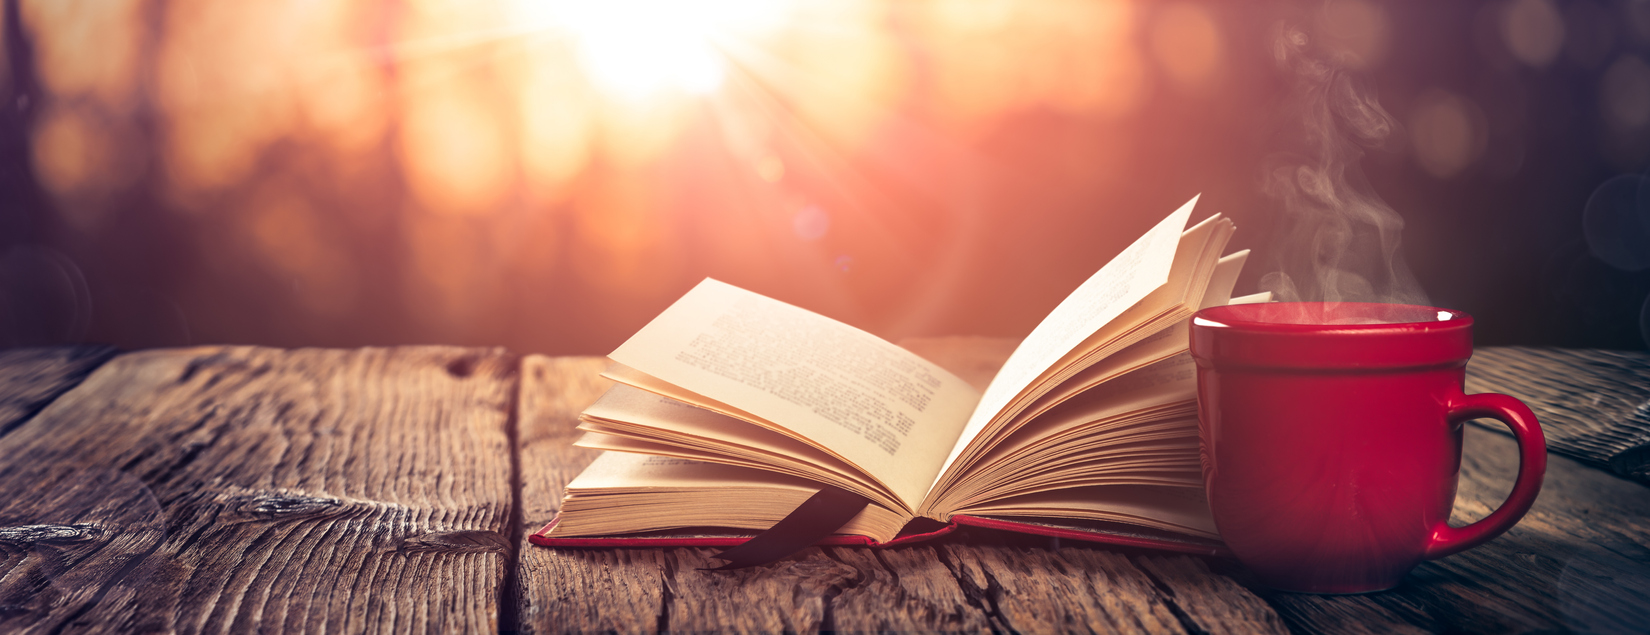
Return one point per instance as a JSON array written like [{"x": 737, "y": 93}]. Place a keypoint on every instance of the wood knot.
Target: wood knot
[
  {"x": 470, "y": 541},
  {"x": 288, "y": 506},
  {"x": 50, "y": 534},
  {"x": 462, "y": 367},
  {"x": 219, "y": 364}
]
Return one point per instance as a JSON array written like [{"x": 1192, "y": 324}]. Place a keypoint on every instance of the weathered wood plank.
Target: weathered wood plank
[
  {"x": 1594, "y": 405},
  {"x": 561, "y": 590},
  {"x": 793, "y": 594},
  {"x": 31, "y": 377},
  {"x": 1072, "y": 589},
  {"x": 903, "y": 589},
  {"x": 237, "y": 489},
  {"x": 1208, "y": 601},
  {"x": 1580, "y": 561}
]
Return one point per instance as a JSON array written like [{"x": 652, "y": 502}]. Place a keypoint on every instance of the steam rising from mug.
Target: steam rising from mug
[{"x": 1335, "y": 240}]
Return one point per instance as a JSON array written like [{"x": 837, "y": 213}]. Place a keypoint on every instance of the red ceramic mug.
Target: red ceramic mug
[{"x": 1331, "y": 439}]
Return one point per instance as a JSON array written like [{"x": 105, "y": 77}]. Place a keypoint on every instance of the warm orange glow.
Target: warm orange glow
[
  {"x": 635, "y": 133},
  {"x": 635, "y": 48},
  {"x": 448, "y": 280},
  {"x": 439, "y": 161},
  {"x": 1187, "y": 42},
  {"x": 221, "y": 85},
  {"x": 557, "y": 123},
  {"x": 1000, "y": 57},
  {"x": 67, "y": 29},
  {"x": 296, "y": 243},
  {"x": 621, "y": 237},
  {"x": 771, "y": 169},
  {"x": 843, "y": 80},
  {"x": 86, "y": 159},
  {"x": 975, "y": 38},
  {"x": 342, "y": 95},
  {"x": 455, "y": 151},
  {"x": 67, "y": 151}
]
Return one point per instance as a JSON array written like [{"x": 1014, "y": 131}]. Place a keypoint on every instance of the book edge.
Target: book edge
[{"x": 1202, "y": 549}]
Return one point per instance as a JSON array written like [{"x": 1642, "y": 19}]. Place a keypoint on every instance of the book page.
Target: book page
[
  {"x": 626, "y": 493},
  {"x": 883, "y": 409},
  {"x": 631, "y": 412},
  {"x": 1157, "y": 393},
  {"x": 599, "y": 438},
  {"x": 1224, "y": 279},
  {"x": 1170, "y": 381},
  {"x": 1128, "y": 278},
  {"x": 1196, "y": 259},
  {"x": 1182, "y": 509},
  {"x": 1150, "y": 350}
]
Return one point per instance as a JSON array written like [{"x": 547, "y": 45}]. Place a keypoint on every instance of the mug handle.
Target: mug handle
[{"x": 1532, "y": 464}]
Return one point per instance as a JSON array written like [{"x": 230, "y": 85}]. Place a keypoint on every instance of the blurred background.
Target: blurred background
[{"x": 548, "y": 175}]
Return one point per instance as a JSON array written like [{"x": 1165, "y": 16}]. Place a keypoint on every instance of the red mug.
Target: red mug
[{"x": 1331, "y": 439}]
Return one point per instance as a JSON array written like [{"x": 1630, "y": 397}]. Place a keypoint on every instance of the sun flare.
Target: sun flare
[{"x": 636, "y": 48}]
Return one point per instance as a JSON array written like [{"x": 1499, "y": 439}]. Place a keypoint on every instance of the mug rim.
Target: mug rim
[
  {"x": 1256, "y": 317},
  {"x": 1240, "y": 336}
]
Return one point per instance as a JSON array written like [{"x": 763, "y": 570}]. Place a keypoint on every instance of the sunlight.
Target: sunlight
[{"x": 635, "y": 48}]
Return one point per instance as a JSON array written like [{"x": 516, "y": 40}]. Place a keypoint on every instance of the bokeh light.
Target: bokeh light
[
  {"x": 1187, "y": 42},
  {"x": 546, "y": 174},
  {"x": 1533, "y": 31},
  {"x": 1447, "y": 133},
  {"x": 1359, "y": 30},
  {"x": 1624, "y": 93},
  {"x": 110, "y": 27},
  {"x": 67, "y": 151},
  {"x": 455, "y": 150},
  {"x": 296, "y": 240}
]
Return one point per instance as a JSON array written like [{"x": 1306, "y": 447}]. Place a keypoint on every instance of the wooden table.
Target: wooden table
[{"x": 236, "y": 488}]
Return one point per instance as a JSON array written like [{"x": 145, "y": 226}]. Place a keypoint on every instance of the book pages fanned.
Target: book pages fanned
[
  {"x": 1134, "y": 273},
  {"x": 881, "y": 408},
  {"x": 730, "y": 408}
]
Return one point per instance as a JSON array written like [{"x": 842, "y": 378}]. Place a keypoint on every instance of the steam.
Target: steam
[{"x": 1336, "y": 241}]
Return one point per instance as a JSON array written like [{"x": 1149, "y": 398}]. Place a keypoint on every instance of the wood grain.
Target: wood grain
[
  {"x": 31, "y": 377},
  {"x": 560, "y": 590},
  {"x": 238, "y": 489},
  {"x": 1208, "y": 601},
  {"x": 1077, "y": 587},
  {"x": 793, "y": 594},
  {"x": 1594, "y": 405},
  {"x": 234, "y": 489},
  {"x": 904, "y": 589}
]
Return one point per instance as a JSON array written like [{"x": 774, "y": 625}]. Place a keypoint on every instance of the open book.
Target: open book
[{"x": 730, "y": 408}]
